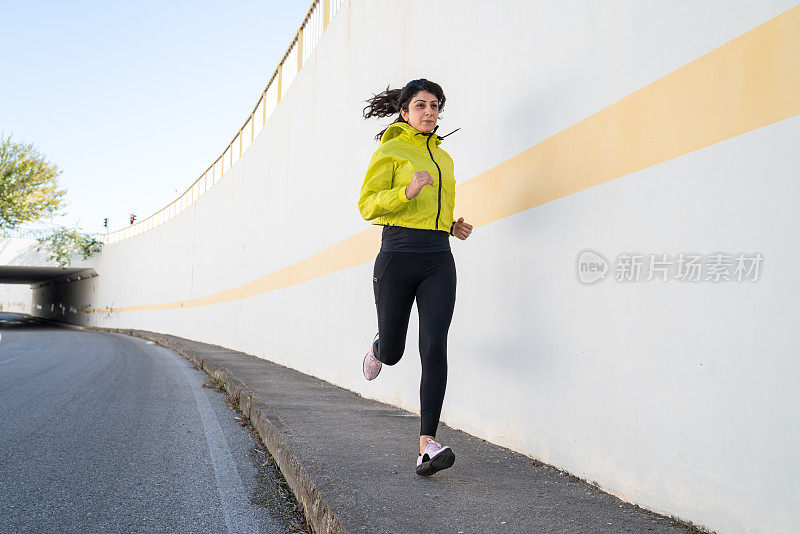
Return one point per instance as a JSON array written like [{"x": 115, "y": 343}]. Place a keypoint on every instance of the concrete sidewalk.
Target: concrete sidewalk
[{"x": 351, "y": 461}]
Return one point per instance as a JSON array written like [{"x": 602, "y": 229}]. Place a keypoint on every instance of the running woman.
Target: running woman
[{"x": 410, "y": 189}]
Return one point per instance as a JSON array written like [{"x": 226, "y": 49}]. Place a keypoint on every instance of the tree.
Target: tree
[
  {"x": 28, "y": 185},
  {"x": 29, "y": 192},
  {"x": 64, "y": 241}
]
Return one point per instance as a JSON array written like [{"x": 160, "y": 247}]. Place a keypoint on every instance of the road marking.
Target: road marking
[{"x": 235, "y": 504}]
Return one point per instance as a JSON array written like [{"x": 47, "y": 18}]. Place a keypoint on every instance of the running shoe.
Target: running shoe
[
  {"x": 372, "y": 366},
  {"x": 434, "y": 458}
]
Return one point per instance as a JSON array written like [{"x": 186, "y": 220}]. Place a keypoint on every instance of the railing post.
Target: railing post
[
  {"x": 299, "y": 50},
  {"x": 280, "y": 79},
  {"x": 326, "y": 13}
]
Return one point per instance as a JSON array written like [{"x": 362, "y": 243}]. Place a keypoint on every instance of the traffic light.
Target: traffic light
[
  {"x": 133, "y": 218},
  {"x": 105, "y": 223}
]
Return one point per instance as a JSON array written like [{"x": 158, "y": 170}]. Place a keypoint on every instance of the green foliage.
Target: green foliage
[
  {"x": 63, "y": 242},
  {"x": 28, "y": 185},
  {"x": 29, "y": 192}
]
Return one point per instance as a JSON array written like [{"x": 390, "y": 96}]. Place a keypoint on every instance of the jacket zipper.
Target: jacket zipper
[{"x": 439, "y": 199}]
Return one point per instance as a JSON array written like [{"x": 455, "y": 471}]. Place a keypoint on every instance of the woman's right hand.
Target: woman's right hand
[{"x": 418, "y": 181}]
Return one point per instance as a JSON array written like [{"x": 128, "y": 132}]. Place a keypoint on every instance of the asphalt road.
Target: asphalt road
[{"x": 111, "y": 433}]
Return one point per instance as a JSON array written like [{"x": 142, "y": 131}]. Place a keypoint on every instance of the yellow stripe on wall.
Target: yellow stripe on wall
[
  {"x": 749, "y": 82},
  {"x": 744, "y": 84}
]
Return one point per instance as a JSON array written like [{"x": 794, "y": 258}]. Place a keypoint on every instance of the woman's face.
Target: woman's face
[{"x": 423, "y": 111}]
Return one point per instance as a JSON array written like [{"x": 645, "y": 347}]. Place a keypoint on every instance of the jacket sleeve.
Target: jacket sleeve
[{"x": 377, "y": 195}]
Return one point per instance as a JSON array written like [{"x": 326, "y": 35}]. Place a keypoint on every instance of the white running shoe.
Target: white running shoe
[
  {"x": 372, "y": 366},
  {"x": 434, "y": 458}
]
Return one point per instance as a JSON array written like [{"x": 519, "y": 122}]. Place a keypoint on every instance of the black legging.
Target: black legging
[{"x": 398, "y": 277}]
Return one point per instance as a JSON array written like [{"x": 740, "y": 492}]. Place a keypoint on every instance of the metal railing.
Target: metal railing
[
  {"x": 25, "y": 233},
  {"x": 303, "y": 44}
]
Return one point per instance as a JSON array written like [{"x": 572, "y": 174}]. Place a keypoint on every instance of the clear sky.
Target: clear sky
[{"x": 134, "y": 100}]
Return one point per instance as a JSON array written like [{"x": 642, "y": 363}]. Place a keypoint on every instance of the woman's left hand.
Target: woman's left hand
[{"x": 462, "y": 229}]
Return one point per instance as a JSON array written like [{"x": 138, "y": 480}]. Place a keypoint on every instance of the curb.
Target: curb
[{"x": 317, "y": 510}]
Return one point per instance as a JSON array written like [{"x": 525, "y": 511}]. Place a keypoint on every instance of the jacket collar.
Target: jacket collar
[{"x": 408, "y": 133}]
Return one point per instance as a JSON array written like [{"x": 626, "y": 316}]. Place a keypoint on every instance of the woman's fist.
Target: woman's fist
[
  {"x": 461, "y": 229},
  {"x": 418, "y": 181}
]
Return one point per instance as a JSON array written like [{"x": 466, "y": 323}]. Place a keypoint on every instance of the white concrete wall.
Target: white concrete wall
[
  {"x": 682, "y": 398},
  {"x": 16, "y": 298},
  {"x": 24, "y": 252}
]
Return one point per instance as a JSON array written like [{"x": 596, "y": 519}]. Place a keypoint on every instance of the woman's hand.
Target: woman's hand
[
  {"x": 461, "y": 229},
  {"x": 418, "y": 181}
]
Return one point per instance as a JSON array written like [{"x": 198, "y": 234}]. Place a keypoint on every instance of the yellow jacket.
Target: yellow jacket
[{"x": 402, "y": 152}]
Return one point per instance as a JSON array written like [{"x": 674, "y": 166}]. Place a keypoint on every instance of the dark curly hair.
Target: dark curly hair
[{"x": 391, "y": 101}]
